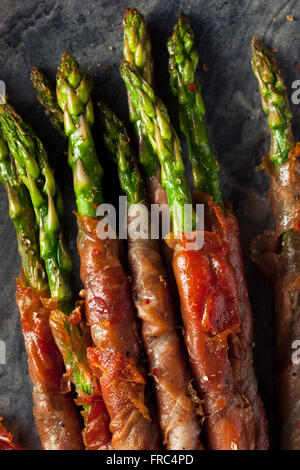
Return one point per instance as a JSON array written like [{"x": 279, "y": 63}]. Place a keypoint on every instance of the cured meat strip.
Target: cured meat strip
[
  {"x": 123, "y": 389},
  {"x": 96, "y": 434},
  {"x": 109, "y": 308},
  {"x": 277, "y": 252},
  {"x": 57, "y": 421},
  {"x": 241, "y": 353},
  {"x": 165, "y": 355},
  {"x": 111, "y": 316},
  {"x": 208, "y": 294}
]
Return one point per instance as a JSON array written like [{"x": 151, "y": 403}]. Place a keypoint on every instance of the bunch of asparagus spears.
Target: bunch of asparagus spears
[{"x": 116, "y": 356}]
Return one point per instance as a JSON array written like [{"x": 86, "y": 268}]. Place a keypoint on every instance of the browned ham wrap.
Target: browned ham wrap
[
  {"x": 57, "y": 419},
  {"x": 118, "y": 353},
  {"x": 167, "y": 363}
]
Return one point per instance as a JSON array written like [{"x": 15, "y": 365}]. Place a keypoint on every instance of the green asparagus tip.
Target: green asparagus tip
[
  {"x": 265, "y": 66},
  {"x": 117, "y": 141},
  {"x": 134, "y": 26},
  {"x": 274, "y": 100}
]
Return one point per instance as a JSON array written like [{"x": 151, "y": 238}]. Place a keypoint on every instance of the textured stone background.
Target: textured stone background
[{"x": 35, "y": 33}]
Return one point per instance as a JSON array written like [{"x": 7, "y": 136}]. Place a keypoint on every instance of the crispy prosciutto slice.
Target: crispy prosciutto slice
[
  {"x": 118, "y": 354},
  {"x": 208, "y": 293},
  {"x": 7, "y": 439},
  {"x": 72, "y": 336},
  {"x": 57, "y": 421}
]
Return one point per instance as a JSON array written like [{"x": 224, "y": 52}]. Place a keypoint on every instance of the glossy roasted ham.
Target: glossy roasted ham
[
  {"x": 112, "y": 318},
  {"x": 167, "y": 363},
  {"x": 6, "y": 439},
  {"x": 57, "y": 420},
  {"x": 285, "y": 191}
]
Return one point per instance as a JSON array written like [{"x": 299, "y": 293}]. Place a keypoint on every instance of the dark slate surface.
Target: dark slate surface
[{"x": 36, "y": 33}]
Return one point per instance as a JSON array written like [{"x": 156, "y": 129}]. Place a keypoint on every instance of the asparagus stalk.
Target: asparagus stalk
[
  {"x": 183, "y": 63},
  {"x": 23, "y": 217},
  {"x": 73, "y": 96},
  {"x": 165, "y": 143},
  {"x": 137, "y": 51},
  {"x": 118, "y": 142},
  {"x": 46, "y": 94},
  {"x": 34, "y": 173},
  {"x": 274, "y": 101}
]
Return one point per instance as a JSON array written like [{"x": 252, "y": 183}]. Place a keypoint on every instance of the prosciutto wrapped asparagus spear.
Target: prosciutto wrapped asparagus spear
[
  {"x": 207, "y": 285},
  {"x": 205, "y": 169},
  {"x": 137, "y": 51},
  {"x": 70, "y": 333},
  {"x": 277, "y": 252},
  {"x": 44, "y": 91},
  {"x": 55, "y": 413},
  {"x": 110, "y": 313},
  {"x": 167, "y": 366}
]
